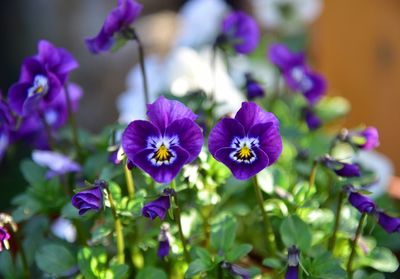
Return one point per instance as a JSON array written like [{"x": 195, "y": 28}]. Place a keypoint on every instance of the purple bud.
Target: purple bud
[
  {"x": 312, "y": 120},
  {"x": 363, "y": 203},
  {"x": 236, "y": 270},
  {"x": 163, "y": 241},
  {"x": 90, "y": 199},
  {"x": 293, "y": 260},
  {"x": 348, "y": 170},
  {"x": 253, "y": 88},
  {"x": 389, "y": 223},
  {"x": 4, "y": 236},
  {"x": 157, "y": 208}
]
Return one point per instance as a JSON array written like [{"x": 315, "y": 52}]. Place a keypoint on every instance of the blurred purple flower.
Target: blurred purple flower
[
  {"x": 164, "y": 239},
  {"x": 340, "y": 168},
  {"x": 293, "y": 260},
  {"x": 253, "y": 88},
  {"x": 36, "y": 84},
  {"x": 157, "y": 208},
  {"x": 312, "y": 120},
  {"x": 4, "y": 237},
  {"x": 389, "y": 223},
  {"x": 241, "y": 31},
  {"x": 90, "y": 199},
  {"x": 57, "y": 163},
  {"x": 118, "y": 20},
  {"x": 362, "y": 203},
  {"x": 283, "y": 58},
  {"x": 370, "y": 136},
  {"x": 236, "y": 270},
  {"x": 161, "y": 146},
  {"x": 248, "y": 143}
]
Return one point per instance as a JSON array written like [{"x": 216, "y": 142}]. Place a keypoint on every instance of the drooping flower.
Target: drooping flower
[
  {"x": 361, "y": 202},
  {"x": 164, "y": 239},
  {"x": 117, "y": 21},
  {"x": 248, "y": 143},
  {"x": 293, "y": 261},
  {"x": 36, "y": 84},
  {"x": 159, "y": 207},
  {"x": 389, "y": 223},
  {"x": 4, "y": 237},
  {"x": 57, "y": 163},
  {"x": 161, "y": 146},
  {"x": 91, "y": 198},
  {"x": 369, "y": 137},
  {"x": 240, "y": 31},
  {"x": 236, "y": 270},
  {"x": 341, "y": 168},
  {"x": 312, "y": 120},
  {"x": 59, "y": 61},
  {"x": 253, "y": 88}
]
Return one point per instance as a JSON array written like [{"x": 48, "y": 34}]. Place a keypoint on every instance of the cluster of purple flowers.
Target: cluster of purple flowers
[
  {"x": 37, "y": 102},
  {"x": 299, "y": 77}
]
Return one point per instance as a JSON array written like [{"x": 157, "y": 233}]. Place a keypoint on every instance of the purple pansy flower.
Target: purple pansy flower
[
  {"x": 283, "y": 58},
  {"x": 59, "y": 61},
  {"x": 248, "y": 143},
  {"x": 253, "y": 88},
  {"x": 241, "y": 31},
  {"x": 36, "y": 84},
  {"x": 362, "y": 203},
  {"x": 57, "y": 163},
  {"x": 236, "y": 270},
  {"x": 90, "y": 199},
  {"x": 389, "y": 223},
  {"x": 370, "y": 136},
  {"x": 164, "y": 239},
  {"x": 293, "y": 263},
  {"x": 164, "y": 144},
  {"x": 117, "y": 21},
  {"x": 4, "y": 237},
  {"x": 312, "y": 120},
  {"x": 341, "y": 168},
  {"x": 159, "y": 207}
]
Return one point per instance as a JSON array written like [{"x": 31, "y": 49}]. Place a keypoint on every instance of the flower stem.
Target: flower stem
[
  {"x": 354, "y": 245},
  {"x": 337, "y": 221},
  {"x": 118, "y": 230},
  {"x": 313, "y": 173},
  {"x": 177, "y": 217},
  {"x": 130, "y": 183},
  {"x": 270, "y": 239},
  {"x": 72, "y": 122},
  {"x": 142, "y": 67}
]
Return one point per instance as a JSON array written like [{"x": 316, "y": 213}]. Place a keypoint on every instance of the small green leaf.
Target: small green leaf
[
  {"x": 54, "y": 259},
  {"x": 223, "y": 233},
  {"x": 151, "y": 272},
  {"x": 203, "y": 255},
  {"x": 295, "y": 232},
  {"x": 34, "y": 174},
  {"x": 196, "y": 267},
  {"x": 92, "y": 261},
  {"x": 273, "y": 263},
  {"x": 326, "y": 267},
  {"x": 238, "y": 252},
  {"x": 381, "y": 259}
]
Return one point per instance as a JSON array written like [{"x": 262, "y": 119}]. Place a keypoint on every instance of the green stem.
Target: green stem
[
  {"x": 142, "y": 68},
  {"x": 332, "y": 241},
  {"x": 72, "y": 122},
  {"x": 177, "y": 217},
  {"x": 118, "y": 230},
  {"x": 130, "y": 183},
  {"x": 313, "y": 173},
  {"x": 270, "y": 239},
  {"x": 354, "y": 245}
]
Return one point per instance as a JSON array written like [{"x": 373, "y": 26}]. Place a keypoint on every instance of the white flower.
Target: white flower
[
  {"x": 200, "y": 22},
  {"x": 289, "y": 16},
  {"x": 64, "y": 229}
]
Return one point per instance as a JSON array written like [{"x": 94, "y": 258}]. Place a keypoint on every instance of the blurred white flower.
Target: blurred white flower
[
  {"x": 200, "y": 22},
  {"x": 64, "y": 229},
  {"x": 289, "y": 16}
]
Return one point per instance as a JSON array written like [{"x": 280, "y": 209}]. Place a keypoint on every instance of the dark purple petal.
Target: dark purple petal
[
  {"x": 242, "y": 31},
  {"x": 251, "y": 114},
  {"x": 17, "y": 96},
  {"x": 163, "y": 173},
  {"x": 55, "y": 88},
  {"x": 253, "y": 88},
  {"x": 189, "y": 134},
  {"x": 163, "y": 249},
  {"x": 136, "y": 135},
  {"x": 157, "y": 208},
  {"x": 6, "y": 117},
  {"x": 269, "y": 139},
  {"x": 30, "y": 68},
  {"x": 283, "y": 58},
  {"x": 4, "y": 140},
  {"x": 312, "y": 120},
  {"x": 317, "y": 90},
  {"x": 242, "y": 170},
  {"x": 91, "y": 199},
  {"x": 292, "y": 272},
  {"x": 223, "y": 134},
  {"x": 371, "y": 137},
  {"x": 163, "y": 112},
  {"x": 389, "y": 223},
  {"x": 102, "y": 42},
  {"x": 361, "y": 203},
  {"x": 348, "y": 170}
]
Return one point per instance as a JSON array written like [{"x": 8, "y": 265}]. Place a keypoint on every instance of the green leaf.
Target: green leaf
[
  {"x": 381, "y": 259},
  {"x": 223, "y": 233},
  {"x": 151, "y": 272},
  {"x": 54, "y": 259},
  {"x": 119, "y": 271},
  {"x": 295, "y": 232},
  {"x": 92, "y": 261},
  {"x": 196, "y": 267},
  {"x": 69, "y": 211},
  {"x": 238, "y": 252},
  {"x": 203, "y": 255},
  {"x": 325, "y": 266},
  {"x": 273, "y": 263},
  {"x": 34, "y": 174},
  {"x": 7, "y": 269}
]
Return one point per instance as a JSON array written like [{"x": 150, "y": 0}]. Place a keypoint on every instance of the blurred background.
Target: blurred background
[{"x": 355, "y": 44}]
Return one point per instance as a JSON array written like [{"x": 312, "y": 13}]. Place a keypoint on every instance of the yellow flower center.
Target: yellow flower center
[
  {"x": 244, "y": 153},
  {"x": 162, "y": 154}
]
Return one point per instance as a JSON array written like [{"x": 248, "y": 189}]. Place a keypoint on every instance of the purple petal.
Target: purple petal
[
  {"x": 161, "y": 173},
  {"x": 242, "y": 171},
  {"x": 91, "y": 199},
  {"x": 17, "y": 95},
  {"x": 371, "y": 136},
  {"x": 361, "y": 203},
  {"x": 157, "y": 208},
  {"x": 318, "y": 89},
  {"x": 30, "y": 68},
  {"x": 348, "y": 170},
  {"x": 292, "y": 272},
  {"x": 224, "y": 133},
  {"x": 55, "y": 88},
  {"x": 56, "y": 162},
  {"x": 189, "y": 134},
  {"x": 389, "y": 223},
  {"x": 254, "y": 90},
  {"x": 251, "y": 114},
  {"x": 283, "y": 58},
  {"x": 163, "y": 112},
  {"x": 163, "y": 249},
  {"x": 312, "y": 120},
  {"x": 101, "y": 43},
  {"x": 269, "y": 139}
]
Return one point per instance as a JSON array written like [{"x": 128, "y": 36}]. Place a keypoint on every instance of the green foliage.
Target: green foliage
[
  {"x": 54, "y": 259},
  {"x": 295, "y": 232}
]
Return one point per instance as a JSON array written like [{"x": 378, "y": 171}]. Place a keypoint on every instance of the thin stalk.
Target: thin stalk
[
  {"x": 270, "y": 239},
  {"x": 177, "y": 217},
  {"x": 332, "y": 241},
  {"x": 72, "y": 122},
  {"x": 130, "y": 183},
  {"x": 354, "y": 245},
  {"x": 313, "y": 173},
  {"x": 118, "y": 230},
  {"x": 142, "y": 68}
]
